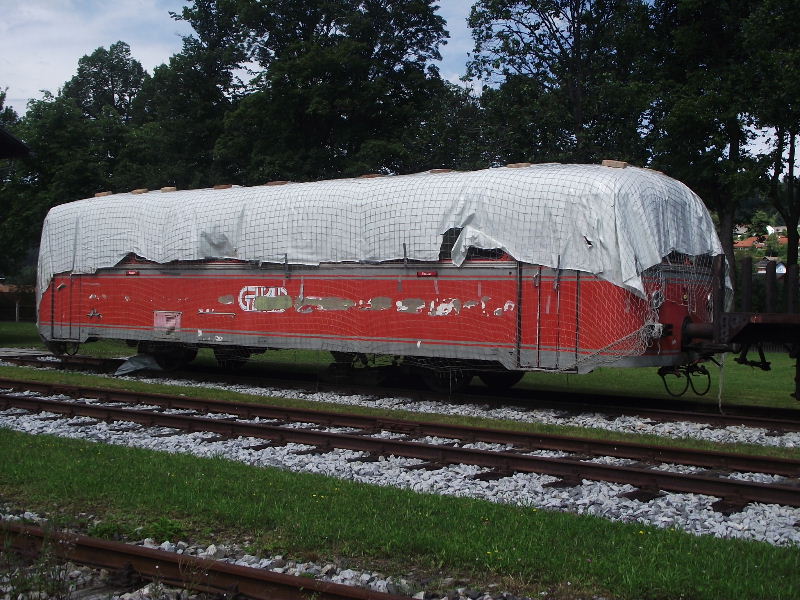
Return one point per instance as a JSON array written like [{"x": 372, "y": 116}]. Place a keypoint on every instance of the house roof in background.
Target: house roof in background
[
  {"x": 752, "y": 242},
  {"x": 747, "y": 243},
  {"x": 12, "y": 147}
]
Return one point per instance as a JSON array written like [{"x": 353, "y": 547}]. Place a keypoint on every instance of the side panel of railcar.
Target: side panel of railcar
[
  {"x": 576, "y": 321},
  {"x": 521, "y": 316},
  {"x": 64, "y": 317},
  {"x": 429, "y": 310}
]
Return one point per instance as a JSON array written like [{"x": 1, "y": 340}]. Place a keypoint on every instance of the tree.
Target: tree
[
  {"x": 701, "y": 114},
  {"x": 8, "y": 116},
  {"x": 773, "y": 40},
  {"x": 105, "y": 88},
  {"x": 341, "y": 81},
  {"x": 758, "y": 225},
  {"x": 585, "y": 60},
  {"x": 106, "y": 78},
  {"x": 8, "y": 119},
  {"x": 67, "y": 162},
  {"x": 449, "y": 132},
  {"x": 180, "y": 111},
  {"x": 397, "y": 34},
  {"x": 523, "y": 121}
]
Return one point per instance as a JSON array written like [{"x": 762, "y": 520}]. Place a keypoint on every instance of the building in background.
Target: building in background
[{"x": 12, "y": 147}]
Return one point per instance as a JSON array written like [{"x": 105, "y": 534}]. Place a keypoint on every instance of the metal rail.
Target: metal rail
[
  {"x": 526, "y": 440},
  {"x": 733, "y": 492},
  {"x": 189, "y": 572},
  {"x": 772, "y": 419}
]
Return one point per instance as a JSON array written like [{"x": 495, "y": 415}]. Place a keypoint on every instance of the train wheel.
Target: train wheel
[
  {"x": 171, "y": 358},
  {"x": 344, "y": 358},
  {"x": 231, "y": 357},
  {"x": 371, "y": 375},
  {"x": 445, "y": 381},
  {"x": 500, "y": 380},
  {"x": 61, "y": 348},
  {"x": 364, "y": 369}
]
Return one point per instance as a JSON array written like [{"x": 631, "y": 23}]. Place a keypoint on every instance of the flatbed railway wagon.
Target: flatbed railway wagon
[{"x": 494, "y": 272}]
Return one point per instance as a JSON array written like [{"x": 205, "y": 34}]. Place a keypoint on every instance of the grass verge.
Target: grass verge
[
  {"x": 525, "y": 549},
  {"x": 741, "y": 384}
]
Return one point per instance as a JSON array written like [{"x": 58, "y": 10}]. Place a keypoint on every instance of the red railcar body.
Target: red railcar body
[{"x": 492, "y": 313}]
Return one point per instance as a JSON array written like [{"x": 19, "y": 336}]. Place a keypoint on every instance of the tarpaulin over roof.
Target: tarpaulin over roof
[{"x": 613, "y": 222}]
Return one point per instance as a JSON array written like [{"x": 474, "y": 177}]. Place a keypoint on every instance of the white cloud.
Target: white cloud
[{"x": 41, "y": 41}]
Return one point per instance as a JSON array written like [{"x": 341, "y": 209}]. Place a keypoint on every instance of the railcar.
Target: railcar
[{"x": 490, "y": 273}]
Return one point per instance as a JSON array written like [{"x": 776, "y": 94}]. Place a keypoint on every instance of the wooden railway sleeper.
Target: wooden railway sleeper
[
  {"x": 729, "y": 505},
  {"x": 314, "y": 450},
  {"x": 564, "y": 481},
  {"x": 264, "y": 446},
  {"x": 368, "y": 431},
  {"x": 430, "y": 465},
  {"x": 368, "y": 458},
  {"x": 493, "y": 474},
  {"x": 398, "y": 426},
  {"x": 196, "y": 573},
  {"x": 217, "y": 438},
  {"x": 643, "y": 493}
]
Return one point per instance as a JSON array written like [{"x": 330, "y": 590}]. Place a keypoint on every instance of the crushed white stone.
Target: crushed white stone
[
  {"x": 735, "y": 434},
  {"x": 691, "y": 512}
]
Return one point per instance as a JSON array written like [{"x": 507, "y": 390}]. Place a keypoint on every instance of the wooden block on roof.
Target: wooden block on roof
[
  {"x": 107, "y": 193},
  {"x": 614, "y": 164},
  {"x": 223, "y": 186},
  {"x": 277, "y": 182},
  {"x": 370, "y": 175},
  {"x": 169, "y": 189},
  {"x": 139, "y": 191},
  {"x": 435, "y": 171},
  {"x": 518, "y": 165}
]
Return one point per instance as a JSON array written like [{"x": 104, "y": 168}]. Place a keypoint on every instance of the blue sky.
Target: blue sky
[{"x": 42, "y": 40}]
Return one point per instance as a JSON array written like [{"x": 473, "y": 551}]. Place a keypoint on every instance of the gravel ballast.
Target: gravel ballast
[
  {"x": 734, "y": 434},
  {"x": 690, "y": 512}
]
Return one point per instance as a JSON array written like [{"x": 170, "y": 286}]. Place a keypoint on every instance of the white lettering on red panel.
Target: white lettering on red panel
[{"x": 249, "y": 293}]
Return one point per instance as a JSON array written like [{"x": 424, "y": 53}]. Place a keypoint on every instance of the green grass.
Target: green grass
[
  {"x": 19, "y": 335},
  {"x": 318, "y": 517},
  {"x": 741, "y": 384}
]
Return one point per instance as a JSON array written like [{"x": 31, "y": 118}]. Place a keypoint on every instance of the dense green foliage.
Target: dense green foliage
[
  {"x": 283, "y": 90},
  {"x": 583, "y": 66}
]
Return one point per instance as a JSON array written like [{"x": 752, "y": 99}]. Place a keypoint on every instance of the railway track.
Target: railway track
[
  {"x": 189, "y": 572},
  {"x": 516, "y": 455},
  {"x": 771, "y": 419}
]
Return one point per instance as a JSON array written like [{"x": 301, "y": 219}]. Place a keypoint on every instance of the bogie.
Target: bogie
[{"x": 500, "y": 380}]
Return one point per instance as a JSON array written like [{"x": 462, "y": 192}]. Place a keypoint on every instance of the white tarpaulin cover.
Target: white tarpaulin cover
[{"x": 613, "y": 222}]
